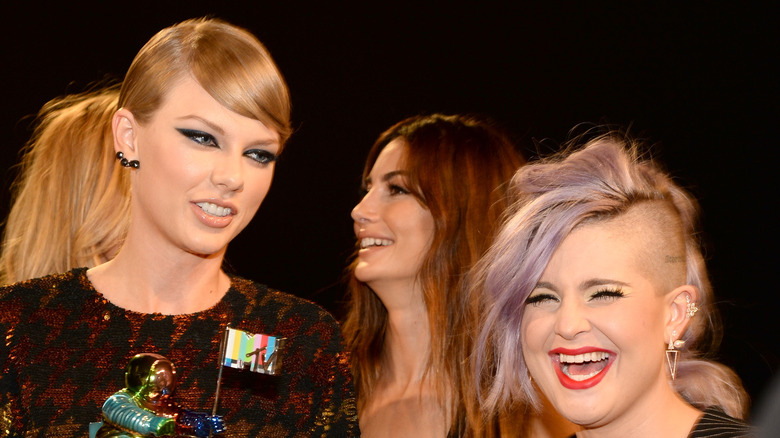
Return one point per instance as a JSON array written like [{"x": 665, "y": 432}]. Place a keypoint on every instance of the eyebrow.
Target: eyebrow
[
  {"x": 390, "y": 175},
  {"x": 545, "y": 285},
  {"x": 601, "y": 282},
  {"x": 584, "y": 285},
  {"x": 220, "y": 131},
  {"x": 386, "y": 177},
  {"x": 211, "y": 125}
]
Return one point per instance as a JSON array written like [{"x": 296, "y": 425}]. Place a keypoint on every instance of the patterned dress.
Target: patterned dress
[{"x": 65, "y": 348}]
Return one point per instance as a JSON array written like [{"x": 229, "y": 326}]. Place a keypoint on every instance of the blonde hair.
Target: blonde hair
[
  {"x": 227, "y": 61},
  {"x": 69, "y": 207},
  {"x": 70, "y": 203}
]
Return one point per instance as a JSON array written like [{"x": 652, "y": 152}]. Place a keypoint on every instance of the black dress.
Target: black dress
[
  {"x": 64, "y": 349},
  {"x": 715, "y": 424}
]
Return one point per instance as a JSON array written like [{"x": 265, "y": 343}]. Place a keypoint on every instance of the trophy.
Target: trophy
[{"x": 146, "y": 407}]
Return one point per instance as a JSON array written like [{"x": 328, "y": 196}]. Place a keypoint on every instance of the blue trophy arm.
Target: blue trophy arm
[{"x": 121, "y": 410}]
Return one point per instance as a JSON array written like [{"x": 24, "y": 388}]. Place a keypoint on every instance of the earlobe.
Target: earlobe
[
  {"x": 682, "y": 308},
  {"x": 124, "y": 129}
]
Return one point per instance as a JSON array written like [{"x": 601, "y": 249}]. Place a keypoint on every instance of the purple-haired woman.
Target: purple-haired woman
[{"x": 596, "y": 288}]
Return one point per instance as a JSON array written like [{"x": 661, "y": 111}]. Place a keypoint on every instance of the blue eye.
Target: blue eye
[
  {"x": 199, "y": 137},
  {"x": 261, "y": 156}
]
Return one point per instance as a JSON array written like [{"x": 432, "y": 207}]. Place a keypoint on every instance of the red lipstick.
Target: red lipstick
[{"x": 590, "y": 382}]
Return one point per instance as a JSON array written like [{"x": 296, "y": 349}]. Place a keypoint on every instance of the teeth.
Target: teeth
[
  {"x": 214, "y": 209},
  {"x": 370, "y": 241},
  {"x": 568, "y": 360},
  {"x": 581, "y": 377},
  {"x": 593, "y": 356}
]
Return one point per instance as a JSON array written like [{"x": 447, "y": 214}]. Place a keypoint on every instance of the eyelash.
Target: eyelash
[
  {"x": 538, "y": 299},
  {"x": 605, "y": 294},
  {"x": 395, "y": 189},
  {"x": 199, "y": 137},
  {"x": 203, "y": 138},
  {"x": 261, "y": 156},
  {"x": 392, "y": 189}
]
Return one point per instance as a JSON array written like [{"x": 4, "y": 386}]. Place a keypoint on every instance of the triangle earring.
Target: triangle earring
[{"x": 672, "y": 353}]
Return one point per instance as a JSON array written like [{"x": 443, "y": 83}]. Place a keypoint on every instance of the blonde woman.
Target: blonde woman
[{"x": 200, "y": 119}]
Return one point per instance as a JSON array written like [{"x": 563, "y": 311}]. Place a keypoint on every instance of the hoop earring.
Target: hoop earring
[
  {"x": 672, "y": 353},
  {"x": 127, "y": 163}
]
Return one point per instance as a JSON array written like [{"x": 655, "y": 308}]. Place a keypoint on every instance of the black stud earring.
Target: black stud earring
[{"x": 125, "y": 162}]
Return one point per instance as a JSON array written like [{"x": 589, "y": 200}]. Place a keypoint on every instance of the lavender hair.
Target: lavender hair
[{"x": 600, "y": 180}]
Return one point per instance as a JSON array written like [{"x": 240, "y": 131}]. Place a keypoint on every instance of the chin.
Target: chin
[
  {"x": 207, "y": 249},
  {"x": 363, "y": 273},
  {"x": 581, "y": 413}
]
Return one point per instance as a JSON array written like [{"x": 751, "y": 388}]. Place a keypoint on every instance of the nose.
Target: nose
[
  {"x": 365, "y": 210},
  {"x": 571, "y": 319},
  {"x": 228, "y": 174}
]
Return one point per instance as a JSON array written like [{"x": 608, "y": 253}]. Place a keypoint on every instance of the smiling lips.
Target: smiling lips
[
  {"x": 214, "y": 209},
  {"x": 582, "y": 368},
  {"x": 213, "y": 215},
  {"x": 368, "y": 242}
]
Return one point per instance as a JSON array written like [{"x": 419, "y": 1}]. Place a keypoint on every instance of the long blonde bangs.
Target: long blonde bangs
[
  {"x": 227, "y": 61},
  {"x": 241, "y": 75}
]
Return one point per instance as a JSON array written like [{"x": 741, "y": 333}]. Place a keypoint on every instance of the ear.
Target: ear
[
  {"x": 679, "y": 317},
  {"x": 124, "y": 127}
]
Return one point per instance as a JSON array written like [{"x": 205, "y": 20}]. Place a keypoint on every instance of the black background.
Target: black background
[{"x": 695, "y": 78}]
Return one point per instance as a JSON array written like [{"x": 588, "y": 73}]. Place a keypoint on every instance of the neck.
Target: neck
[
  {"x": 661, "y": 413},
  {"x": 148, "y": 280},
  {"x": 407, "y": 338},
  {"x": 407, "y": 344},
  {"x": 406, "y": 387}
]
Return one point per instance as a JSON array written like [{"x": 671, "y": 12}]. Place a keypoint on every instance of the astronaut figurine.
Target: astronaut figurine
[{"x": 145, "y": 407}]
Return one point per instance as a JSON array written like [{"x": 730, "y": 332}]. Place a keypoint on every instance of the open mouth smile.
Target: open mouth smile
[
  {"x": 582, "y": 368},
  {"x": 368, "y": 242}
]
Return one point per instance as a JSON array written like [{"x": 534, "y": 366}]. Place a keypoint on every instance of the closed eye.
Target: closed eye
[
  {"x": 200, "y": 137},
  {"x": 607, "y": 295},
  {"x": 538, "y": 299},
  {"x": 262, "y": 156}
]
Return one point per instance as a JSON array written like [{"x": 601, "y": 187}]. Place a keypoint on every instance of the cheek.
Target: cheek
[
  {"x": 424, "y": 225},
  {"x": 429, "y": 227},
  {"x": 174, "y": 167},
  {"x": 633, "y": 329},
  {"x": 534, "y": 333},
  {"x": 258, "y": 185},
  {"x": 534, "y": 336},
  {"x": 641, "y": 316},
  {"x": 409, "y": 219}
]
